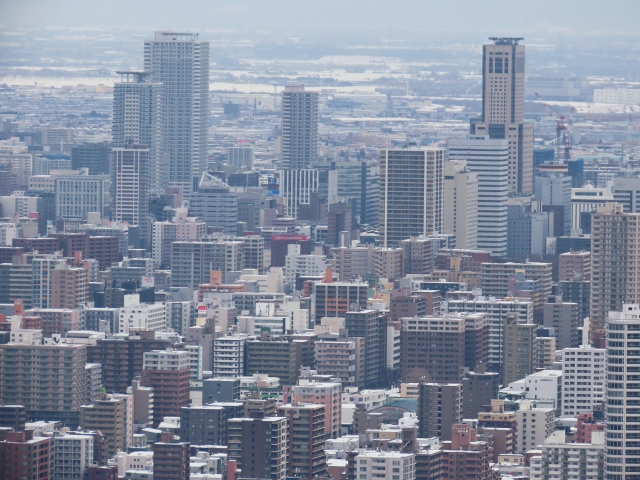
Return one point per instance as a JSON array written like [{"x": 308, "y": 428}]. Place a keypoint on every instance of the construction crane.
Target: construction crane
[{"x": 562, "y": 130}]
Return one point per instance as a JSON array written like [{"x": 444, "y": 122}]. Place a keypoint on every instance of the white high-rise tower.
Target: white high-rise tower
[
  {"x": 181, "y": 63},
  {"x": 489, "y": 159},
  {"x": 137, "y": 119},
  {"x": 622, "y": 400}
]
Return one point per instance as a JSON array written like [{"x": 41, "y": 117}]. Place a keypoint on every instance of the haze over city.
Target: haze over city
[{"x": 319, "y": 240}]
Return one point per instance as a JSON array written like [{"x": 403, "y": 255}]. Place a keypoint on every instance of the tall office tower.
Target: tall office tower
[
  {"x": 306, "y": 457},
  {"x": 181, "y": 63},
  {"x": 207, "y": 424},
  {"x": 503, "y": 108},
  {"x": 40, "y": 376},
  {"x": 622, "y": 392},
  {"x": 309, "y": 191},
  {"x": 615, "y": 275},
  {"x": 554, "y": 190},
  {"x": 137, "y": 117},
  {"x": 489, "y": 159},
  {"x": 240, "y": 156},
  {"x": 130, "y": 187},
  {"x": 42, "y": 279},
  {"x": 259, "y": 446},
  {"x": 299, "y": 127},
  {"x": 460, "y": 205},
  {"x": 25, "y": 456},
  {"x": 69, "y": 288},
  {"x": 168, "y": 373},
  {"x": 411, "y": 193},
  {"x": 94, "y": 156},
  {"x": 372, "y": 326},
  {"x": 215, "y": 203},
  {"x": 519, "y": 339},
  {"x": 439, "y": 407}
]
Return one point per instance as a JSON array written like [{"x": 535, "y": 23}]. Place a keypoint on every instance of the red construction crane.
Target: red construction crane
[{"x": 562, "y": 130}]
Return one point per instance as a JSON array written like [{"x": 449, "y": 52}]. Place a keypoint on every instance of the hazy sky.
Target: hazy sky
[{"x": 541, "y": 19}]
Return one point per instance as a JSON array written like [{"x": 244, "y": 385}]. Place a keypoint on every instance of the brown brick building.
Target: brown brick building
[
  {"x": 122, "y": 359},
  {"x": 25, "y": 457},
  {"x": 167, "y": 371}
]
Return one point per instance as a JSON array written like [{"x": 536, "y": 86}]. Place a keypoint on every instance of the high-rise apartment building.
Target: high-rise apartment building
[
  {"x": 25, "y": 456},
  {"x": 615, "y": 275},
  {"x": 167, "y": 371},
  {"x": 439, "y": 408},
  {"x": 130, "y": 187},
  {"x": 137, "y": 117},
  {"x": 478, "y": 389},
  {"x": 376, "y": 464},
  {"x": 72, "y": 455},
  {"x": 411, "y": 193},
  {"x": 622, "y": 394},
  {"x": 306, "y": 457},
  {"x": 334, "y": 299},
  {"x": 432, "y": 352},
  {"x": 107, "y": 415},
  {"x": 69, "y": 288},
  {"x": 42, "y": 279},
  {"x": 50, "y": 381},
  {"x": 460, "y": 204},
  {"x": 563, "y": 459},
  {"x": 535, "y": 424},
  {"x": 497, "y": 309},
  {"x": 207, "y": 424},
  {"x": 299, "y": 127},
  {"x": 503, "y": 108},
  {"x": 122, "y": 358},
  {"x": 180, "y": 62},
  {"x": 489, "y": 159},
  {"x": 519, "y": 339},
  {"x": 259, "y": 446},
  {"x": 326, "y": 394},
  {"x": 372, "y": 326},
  {"x": 574, "y": 266},
  {"x": 583, "y": 379},
  {"x": 192, "y": 262},
  {"x": 170, "y": 459}
]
